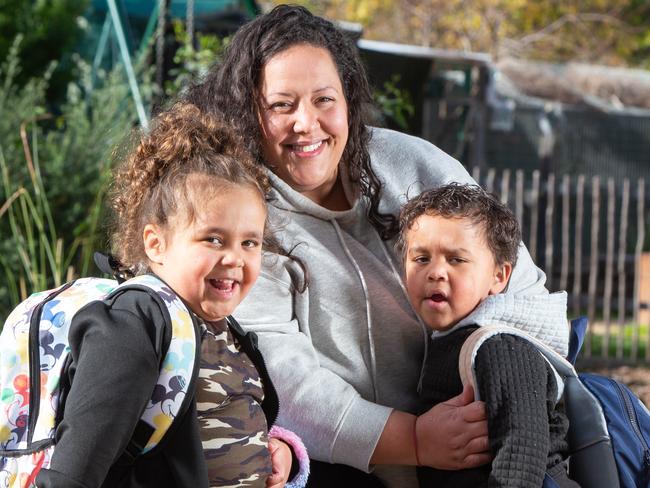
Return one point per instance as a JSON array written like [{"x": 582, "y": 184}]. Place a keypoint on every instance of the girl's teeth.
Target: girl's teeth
[
  {"x": 223, "y": 285},
  {"x": 310, "y": 148}
]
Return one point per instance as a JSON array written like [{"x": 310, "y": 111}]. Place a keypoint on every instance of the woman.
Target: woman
[{"x": 345, "y": 353}]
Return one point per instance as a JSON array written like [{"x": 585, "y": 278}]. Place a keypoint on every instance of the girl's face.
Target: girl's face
[
  {"x": 212, "y": 262},
  {"x": 304, "y": 119}
]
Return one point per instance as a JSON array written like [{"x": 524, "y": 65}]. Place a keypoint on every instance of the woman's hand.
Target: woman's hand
[
  {"x": 454, "y": 434},
  {"x": 281, "y": 461}
]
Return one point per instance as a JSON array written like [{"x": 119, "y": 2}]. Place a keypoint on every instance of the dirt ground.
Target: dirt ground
[{"x": 636, "y": 377}]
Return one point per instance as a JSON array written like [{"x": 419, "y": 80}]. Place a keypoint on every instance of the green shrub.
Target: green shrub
[{"x": 54, "y": 176}]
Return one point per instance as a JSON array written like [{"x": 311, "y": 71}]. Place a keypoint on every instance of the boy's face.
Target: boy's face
[
  {"x": 212, "y": 262},
  {"x": 449, "y": 269}
]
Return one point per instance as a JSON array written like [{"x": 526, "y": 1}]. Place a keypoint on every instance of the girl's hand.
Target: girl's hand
[
  {"x": 454, "y": 434},
  {"x": 281, "y": 460}
]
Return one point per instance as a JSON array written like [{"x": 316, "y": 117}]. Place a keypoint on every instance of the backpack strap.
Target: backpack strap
[
  {"x": 591, "y": 460},
  {"x": 560, "y": 366},
  {"x": 173, "y": 392}
]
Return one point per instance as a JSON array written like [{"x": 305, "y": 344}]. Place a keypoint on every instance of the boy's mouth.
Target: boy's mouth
[{"x": 438, "y": 297}]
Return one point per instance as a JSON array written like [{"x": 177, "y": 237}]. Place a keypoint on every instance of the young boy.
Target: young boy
[{"x": 459, "y": 246}]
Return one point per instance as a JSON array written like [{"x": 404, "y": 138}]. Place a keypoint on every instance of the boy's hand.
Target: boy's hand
[{"x": 281, "y": 461}]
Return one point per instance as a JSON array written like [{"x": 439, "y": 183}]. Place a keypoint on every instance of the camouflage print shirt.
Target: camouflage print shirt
[{"x": 233, "y": 426}]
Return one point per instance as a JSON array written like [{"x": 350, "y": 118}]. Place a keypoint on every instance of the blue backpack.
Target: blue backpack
[{"x": 627, "y": 423}]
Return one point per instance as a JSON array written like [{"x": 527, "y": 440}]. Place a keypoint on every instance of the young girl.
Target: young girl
[{"x": 190, "y": 209}]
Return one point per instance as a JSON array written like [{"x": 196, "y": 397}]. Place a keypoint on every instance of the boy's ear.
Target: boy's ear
[
  {"x": 501, "y": 277},
  {"x": 154, "y": 243}
]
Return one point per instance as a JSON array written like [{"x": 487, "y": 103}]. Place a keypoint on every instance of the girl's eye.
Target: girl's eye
[{"x": 215, "y": 240}]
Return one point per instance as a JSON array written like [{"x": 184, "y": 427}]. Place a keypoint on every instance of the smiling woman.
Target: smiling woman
[
  {"x": 305, "y": 124},
  {"x": 346, "y": 353}
]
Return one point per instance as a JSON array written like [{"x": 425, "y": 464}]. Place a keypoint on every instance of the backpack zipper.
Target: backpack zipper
[
  {"x": 634, "y": 422},
  {"x": 35, "y": 361}
]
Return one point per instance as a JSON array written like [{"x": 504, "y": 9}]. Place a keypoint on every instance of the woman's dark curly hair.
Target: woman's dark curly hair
[
  {"x": 231, "y": 89},
  {"x": 454, "y": 200}
]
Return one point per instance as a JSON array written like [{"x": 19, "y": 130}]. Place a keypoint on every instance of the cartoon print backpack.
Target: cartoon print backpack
[
  {"x": 34, "y": 357},
  {"x": 609, "y": 427}
]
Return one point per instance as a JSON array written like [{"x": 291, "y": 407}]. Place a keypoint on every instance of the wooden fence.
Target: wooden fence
[{"x": 588, "y": 236}]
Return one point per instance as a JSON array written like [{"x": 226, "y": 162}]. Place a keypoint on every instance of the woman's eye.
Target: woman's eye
[
  {"x": 456, "y": 260},
  {"x": 421, "y": 259},
  {"x": 279, "y": 106},
  {"x": 324, "y": 99}
]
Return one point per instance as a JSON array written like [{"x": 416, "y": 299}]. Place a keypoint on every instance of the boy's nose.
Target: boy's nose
[{"x": 437, "y": 272}]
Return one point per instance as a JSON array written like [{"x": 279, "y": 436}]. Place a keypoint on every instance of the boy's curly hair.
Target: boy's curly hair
[
  {"x": 151, "y": 185},
  {"x": 455, "y": 200}
]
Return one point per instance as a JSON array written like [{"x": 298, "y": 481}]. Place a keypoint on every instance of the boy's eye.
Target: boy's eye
[
  {"x": 250, "y": 243},
  {"x": 215, "y": 240}
]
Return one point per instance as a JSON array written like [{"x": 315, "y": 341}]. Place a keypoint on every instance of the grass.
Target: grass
[{"x": 619, "y": 345}]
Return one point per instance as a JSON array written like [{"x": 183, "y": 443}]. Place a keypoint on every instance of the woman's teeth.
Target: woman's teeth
[{"x": 310, "y": 148}]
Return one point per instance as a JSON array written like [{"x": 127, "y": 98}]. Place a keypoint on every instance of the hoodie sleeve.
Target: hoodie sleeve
[
  {"x": 518, "y": 390},
  {"x": 334, "y": 422},
  {"x": 114, "y": 369}
]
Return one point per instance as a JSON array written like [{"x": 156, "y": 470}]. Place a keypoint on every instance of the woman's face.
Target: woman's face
[{"x": 304, "y": 119}]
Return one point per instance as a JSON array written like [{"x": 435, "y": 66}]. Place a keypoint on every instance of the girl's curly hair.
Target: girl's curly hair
[
  {"x": 231, "y": 89},
  {"x": 152, "y": 183}
]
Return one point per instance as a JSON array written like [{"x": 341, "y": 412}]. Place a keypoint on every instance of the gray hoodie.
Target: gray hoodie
[{"x": 349, "y": 349}]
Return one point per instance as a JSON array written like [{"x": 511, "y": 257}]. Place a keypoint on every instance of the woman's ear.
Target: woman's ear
[
  {"x": 154, "y": 243},
  {"x": 501, "y": 276}
]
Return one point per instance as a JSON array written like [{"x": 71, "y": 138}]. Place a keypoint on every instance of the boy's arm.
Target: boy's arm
[{"x": 513, "y": 381}]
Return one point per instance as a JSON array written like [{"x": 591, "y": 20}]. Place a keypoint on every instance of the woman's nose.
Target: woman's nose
[{"x": 306, "y": 118}]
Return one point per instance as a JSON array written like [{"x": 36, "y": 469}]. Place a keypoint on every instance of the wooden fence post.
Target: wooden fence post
[
  {"x": 548, "y": 225},
  {"x": 610, "y": 233},
  {"x": 577, "y": 258},
  {"x": 622, "y": 245},
  {"x": 593, "y": 258}
]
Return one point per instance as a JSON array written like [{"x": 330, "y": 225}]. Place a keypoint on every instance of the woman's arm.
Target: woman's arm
[
  {"x": 452, "y": 435},
  {"x": 115, "y": 366}
]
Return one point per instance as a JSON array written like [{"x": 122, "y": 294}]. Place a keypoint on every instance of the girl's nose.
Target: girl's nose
[
  {"x": 232, "y": 259},
  {"x": 306, "y": 118}
]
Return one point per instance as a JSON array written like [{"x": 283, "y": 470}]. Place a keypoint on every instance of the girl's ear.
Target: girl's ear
[
  {"x": 501, "y": 276},
  {"x": 154, "y": 243}
]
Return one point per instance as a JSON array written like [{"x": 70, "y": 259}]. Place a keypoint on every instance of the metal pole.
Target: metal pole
[{"x": 128, "y": 66}]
